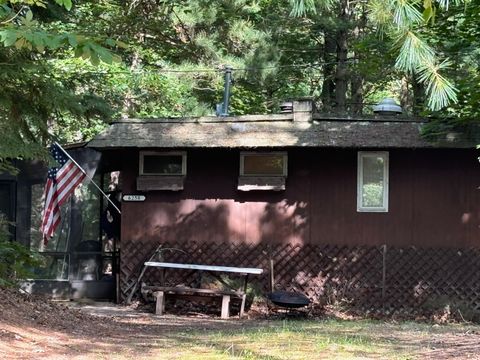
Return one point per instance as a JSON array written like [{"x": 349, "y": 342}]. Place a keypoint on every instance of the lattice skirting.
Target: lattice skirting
[{"x": 365, "y": 277}]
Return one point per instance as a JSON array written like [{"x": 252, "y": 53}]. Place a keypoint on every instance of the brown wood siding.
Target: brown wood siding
[{"x": 433, "y": 201}]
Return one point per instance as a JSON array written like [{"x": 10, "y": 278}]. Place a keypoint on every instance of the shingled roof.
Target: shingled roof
[{"x": 266, "y": 131}]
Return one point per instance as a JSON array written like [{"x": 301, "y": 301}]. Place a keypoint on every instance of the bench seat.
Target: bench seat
[{"x": 159, "y": 293}]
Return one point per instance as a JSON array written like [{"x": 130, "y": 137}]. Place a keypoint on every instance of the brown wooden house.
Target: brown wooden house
[{"x": 362, "y": 209}]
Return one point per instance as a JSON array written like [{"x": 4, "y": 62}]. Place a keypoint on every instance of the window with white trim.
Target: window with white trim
[
  {"x": 162, "y": 170},
  {"x": 372, "y": 181},
  {"x": 171, "y": 163}
]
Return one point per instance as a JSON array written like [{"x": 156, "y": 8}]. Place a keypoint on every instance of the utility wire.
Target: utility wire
[{"x": 199, "y": 71}]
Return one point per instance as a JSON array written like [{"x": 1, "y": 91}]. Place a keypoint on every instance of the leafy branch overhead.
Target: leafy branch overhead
[
  {"x": 18, "y": 28},
  {"x": 61, "y": 75},
  {"x": 34, "y": 99},
  {"x": 40, "y": 3}
]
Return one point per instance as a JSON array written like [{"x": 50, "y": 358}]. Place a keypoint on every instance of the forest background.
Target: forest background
[{"x": 68, "y": 69}]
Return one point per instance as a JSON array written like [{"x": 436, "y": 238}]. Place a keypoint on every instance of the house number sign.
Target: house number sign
[{"x": 133, "y": 198}]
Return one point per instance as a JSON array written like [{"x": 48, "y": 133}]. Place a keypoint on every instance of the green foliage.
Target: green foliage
[
  {"x": 416, "y": 55},
  {"x": 15, "y": 259},
  {"x": 372, "y": 195},
  {"x": 457, "y": 33},
  {"x": 245, "y": 101},
  {"x": 25, "y": 32},
  {"x": 63, "y": 78},
  {"x": 66, "y": 3},
  {"x": 301, "y": 7},
  {"x": 36, "y": 101}
]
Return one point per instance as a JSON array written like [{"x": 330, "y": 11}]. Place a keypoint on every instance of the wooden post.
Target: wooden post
[
  {"x": 384, "y": 271},
  {"x": 245, "y": 284},
  {"x": 160, "y": 305},
  {"x": 162, "y": 277},
  {"x": 117, "y": 287},
  {"x": 272, "y": 277},
  {"x": 225, "y": 306},
  {"x": 242, "y": 306}
]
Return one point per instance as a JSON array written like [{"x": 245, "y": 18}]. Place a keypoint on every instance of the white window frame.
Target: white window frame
[
  {"x": 183, "y": 154},
  {"x": 361, "y": 156},
  {"x": 259, "y": 153}
]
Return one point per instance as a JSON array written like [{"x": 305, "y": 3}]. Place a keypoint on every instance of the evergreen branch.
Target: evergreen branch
[
  {"x": 406, "y": 13},
  {"x": 380, "y": 13},
  {"x": 416, "y": 56},
  {"x": 440, "y": 91},
  {"x": 302, "y": 7},
  {"x": 445, "y": 3},
  {"x": 413, "y": 52}
]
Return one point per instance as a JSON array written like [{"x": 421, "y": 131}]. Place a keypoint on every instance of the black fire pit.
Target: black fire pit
[{"x": 288, "y": 299}]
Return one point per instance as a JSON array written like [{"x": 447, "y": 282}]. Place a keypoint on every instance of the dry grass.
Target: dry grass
[{"x": 326, "y": 339}]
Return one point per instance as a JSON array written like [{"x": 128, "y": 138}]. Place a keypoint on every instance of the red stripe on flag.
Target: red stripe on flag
[
  {"x": 56, "y": 192},
  {"x": 64, "y": 192}
]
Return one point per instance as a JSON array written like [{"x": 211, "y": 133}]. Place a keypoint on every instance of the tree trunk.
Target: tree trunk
[
  {"x": 357, "y": 78},
  {"x": 128, "y": 100},
  {"x": 406, "y": 98},
  {"x": 328, "y": 86},
  {"x": 418, "y": 96},
  {"x": 357, "y": 94},
  {"x": 341, "y": 74}
]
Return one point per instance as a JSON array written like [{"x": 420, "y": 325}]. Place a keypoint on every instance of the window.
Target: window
[
  {"x": 372, "y": 193},
  {"x": 262, "y": 171},
  {"x": 162, "y": 170},
  {"x": 163, "y": 163},
  {"x": 263, "y": 164}
]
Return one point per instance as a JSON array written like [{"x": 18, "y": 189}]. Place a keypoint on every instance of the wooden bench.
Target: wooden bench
[{"x": 160, "y": 292}]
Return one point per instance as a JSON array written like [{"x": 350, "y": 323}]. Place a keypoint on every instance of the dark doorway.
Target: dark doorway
[{"x": 7, "y": 206}]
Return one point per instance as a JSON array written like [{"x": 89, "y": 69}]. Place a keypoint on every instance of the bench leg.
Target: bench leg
[
  {"x": 242, "y": 306},
  {"x": 225, "y": 306},
  {"x": 160, "y": 304}
]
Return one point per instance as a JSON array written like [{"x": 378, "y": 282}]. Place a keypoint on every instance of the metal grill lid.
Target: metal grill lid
[{"x": 288, "y": 299}]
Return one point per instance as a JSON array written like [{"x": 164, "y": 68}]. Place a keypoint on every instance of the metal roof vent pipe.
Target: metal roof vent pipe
[
  {"x": 222, "y": 108},
  {"x": 387, "y": 107}
]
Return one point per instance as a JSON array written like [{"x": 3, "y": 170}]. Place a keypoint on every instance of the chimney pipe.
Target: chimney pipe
[
  {"x": 222, "y": 109},
  {"x": 303, "y": 109}
]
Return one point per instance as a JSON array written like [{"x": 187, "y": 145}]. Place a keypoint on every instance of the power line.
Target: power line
[{"x": 199, "y": 71}]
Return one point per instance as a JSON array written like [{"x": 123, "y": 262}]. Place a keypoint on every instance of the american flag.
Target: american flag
[{"x": 61, "y": 182}]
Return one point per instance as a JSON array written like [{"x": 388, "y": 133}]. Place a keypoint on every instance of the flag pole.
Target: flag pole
[{"x": 88, "y": 177}]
